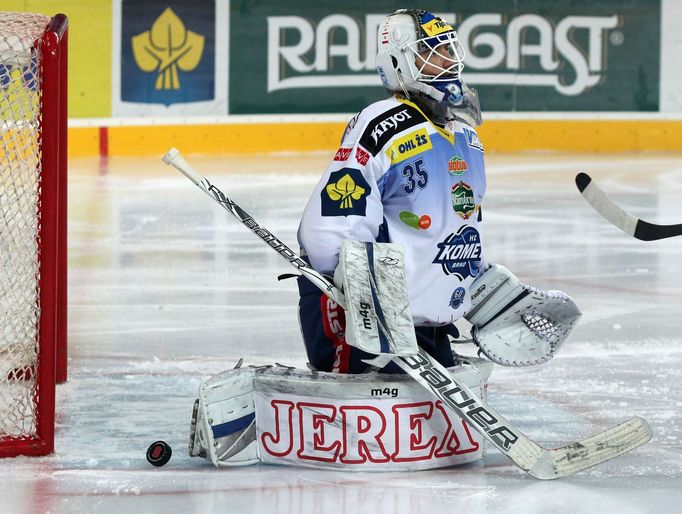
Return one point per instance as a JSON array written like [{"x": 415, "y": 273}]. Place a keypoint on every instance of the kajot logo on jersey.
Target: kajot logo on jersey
[{"x": 460, "y": 253}]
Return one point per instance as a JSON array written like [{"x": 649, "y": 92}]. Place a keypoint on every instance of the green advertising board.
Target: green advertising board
[{"x": 525, "y": 55}]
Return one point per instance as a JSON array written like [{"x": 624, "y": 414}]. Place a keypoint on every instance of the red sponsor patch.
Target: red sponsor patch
[
  {"x": 361, "y": 156},
  {"x": 457, "y": 165},
  {"x": 425, "y": 221},
  {"x": 342, "y": 154}
]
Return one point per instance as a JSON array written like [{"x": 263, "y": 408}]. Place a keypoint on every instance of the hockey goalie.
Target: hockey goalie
[
  {"x": 375, "y": 421},
  {"x": 391, "y": 257}
]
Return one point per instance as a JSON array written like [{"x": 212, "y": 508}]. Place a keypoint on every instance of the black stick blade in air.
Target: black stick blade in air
[{"x": 631, "y": 225}]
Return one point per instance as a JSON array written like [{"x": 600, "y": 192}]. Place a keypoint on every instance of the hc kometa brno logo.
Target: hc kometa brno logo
[{"x": 460, "y": 253}]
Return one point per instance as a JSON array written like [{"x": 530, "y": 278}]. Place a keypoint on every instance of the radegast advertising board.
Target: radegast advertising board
[{"x": 528, "y": 55}]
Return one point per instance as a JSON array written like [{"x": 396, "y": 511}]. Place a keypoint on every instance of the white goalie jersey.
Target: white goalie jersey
[{"x": 399, "y": 178}]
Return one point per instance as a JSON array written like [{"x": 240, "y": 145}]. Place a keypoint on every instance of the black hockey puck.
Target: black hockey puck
[{"x": 159, "y": 453}]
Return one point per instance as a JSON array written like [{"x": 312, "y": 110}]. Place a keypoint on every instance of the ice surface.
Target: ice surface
[{"x": 166, "y": 289}]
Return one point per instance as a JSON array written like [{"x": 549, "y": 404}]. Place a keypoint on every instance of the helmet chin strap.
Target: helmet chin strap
[
  {"x": 402, "y": 84},
  {"x": 422, "y": 88},
  {"x": 432, "y": 98},
  {"x": 430, "y": 91}
]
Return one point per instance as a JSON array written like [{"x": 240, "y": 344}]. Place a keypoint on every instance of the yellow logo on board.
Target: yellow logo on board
[
  {"x": 410, "y": 145},
  {"x": 346, "y": 190},
  {"x": 436, "y": 26},
  {"x": 166, "y": 48}
]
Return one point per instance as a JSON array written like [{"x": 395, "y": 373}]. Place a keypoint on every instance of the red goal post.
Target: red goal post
[{"x": 33, "y": 265}]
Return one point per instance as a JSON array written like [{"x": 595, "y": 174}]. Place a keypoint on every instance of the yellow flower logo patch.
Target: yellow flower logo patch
[
  {"x": 345, "y": 190},
  {"x": 166, "y": 48},
  {"x": 345, "y": 194}
]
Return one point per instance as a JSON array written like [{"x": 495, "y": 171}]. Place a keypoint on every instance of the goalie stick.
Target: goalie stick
[
  {"x": 539, "y": 462},
  {"x": 622, "y": 219}
]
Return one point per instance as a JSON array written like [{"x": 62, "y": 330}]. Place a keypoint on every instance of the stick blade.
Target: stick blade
[
  {"x": 594, "y": 450},
  {"x": 645, "y": 231},
  {"x": 631, "y": 225}
]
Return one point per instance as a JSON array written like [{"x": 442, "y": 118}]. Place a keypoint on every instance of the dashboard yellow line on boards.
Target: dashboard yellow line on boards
[
  {"x": 498, "y": 135},
  {"x": 583, "y": 135},
  {"x": 225, "y": 138}
]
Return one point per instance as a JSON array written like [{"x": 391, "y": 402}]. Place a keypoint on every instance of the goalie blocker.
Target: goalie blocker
[{"x": 369, "y": 422}]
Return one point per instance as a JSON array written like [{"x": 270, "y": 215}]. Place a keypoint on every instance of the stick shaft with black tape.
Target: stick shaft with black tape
[{"x": 176, "y": 160}]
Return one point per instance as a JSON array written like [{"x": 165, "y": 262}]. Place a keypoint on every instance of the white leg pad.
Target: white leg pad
[
  {"x": 224, "y": 426},
  {"x": 368, "y": 422},
  {"x": 378, "y": 317}
]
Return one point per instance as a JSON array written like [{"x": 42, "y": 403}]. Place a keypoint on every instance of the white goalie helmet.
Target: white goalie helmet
[{"x": 420, "y": 56}]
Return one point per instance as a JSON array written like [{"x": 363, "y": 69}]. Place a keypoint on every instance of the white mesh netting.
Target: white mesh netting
[
  {"x": 543, "y": 327},
  {"x": 20, "y": 122}
]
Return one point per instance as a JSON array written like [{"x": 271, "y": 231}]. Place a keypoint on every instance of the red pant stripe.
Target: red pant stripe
[{"x": 334, "y": 324}]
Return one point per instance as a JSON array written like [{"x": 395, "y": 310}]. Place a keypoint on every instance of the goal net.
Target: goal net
[{"x": 32, "y": 227}]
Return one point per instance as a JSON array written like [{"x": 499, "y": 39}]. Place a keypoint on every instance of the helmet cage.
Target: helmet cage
[{"x": 446, "y": 47}]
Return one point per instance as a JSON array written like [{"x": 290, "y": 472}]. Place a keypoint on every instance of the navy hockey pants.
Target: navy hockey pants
[{"x": 323, "y": 325}]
